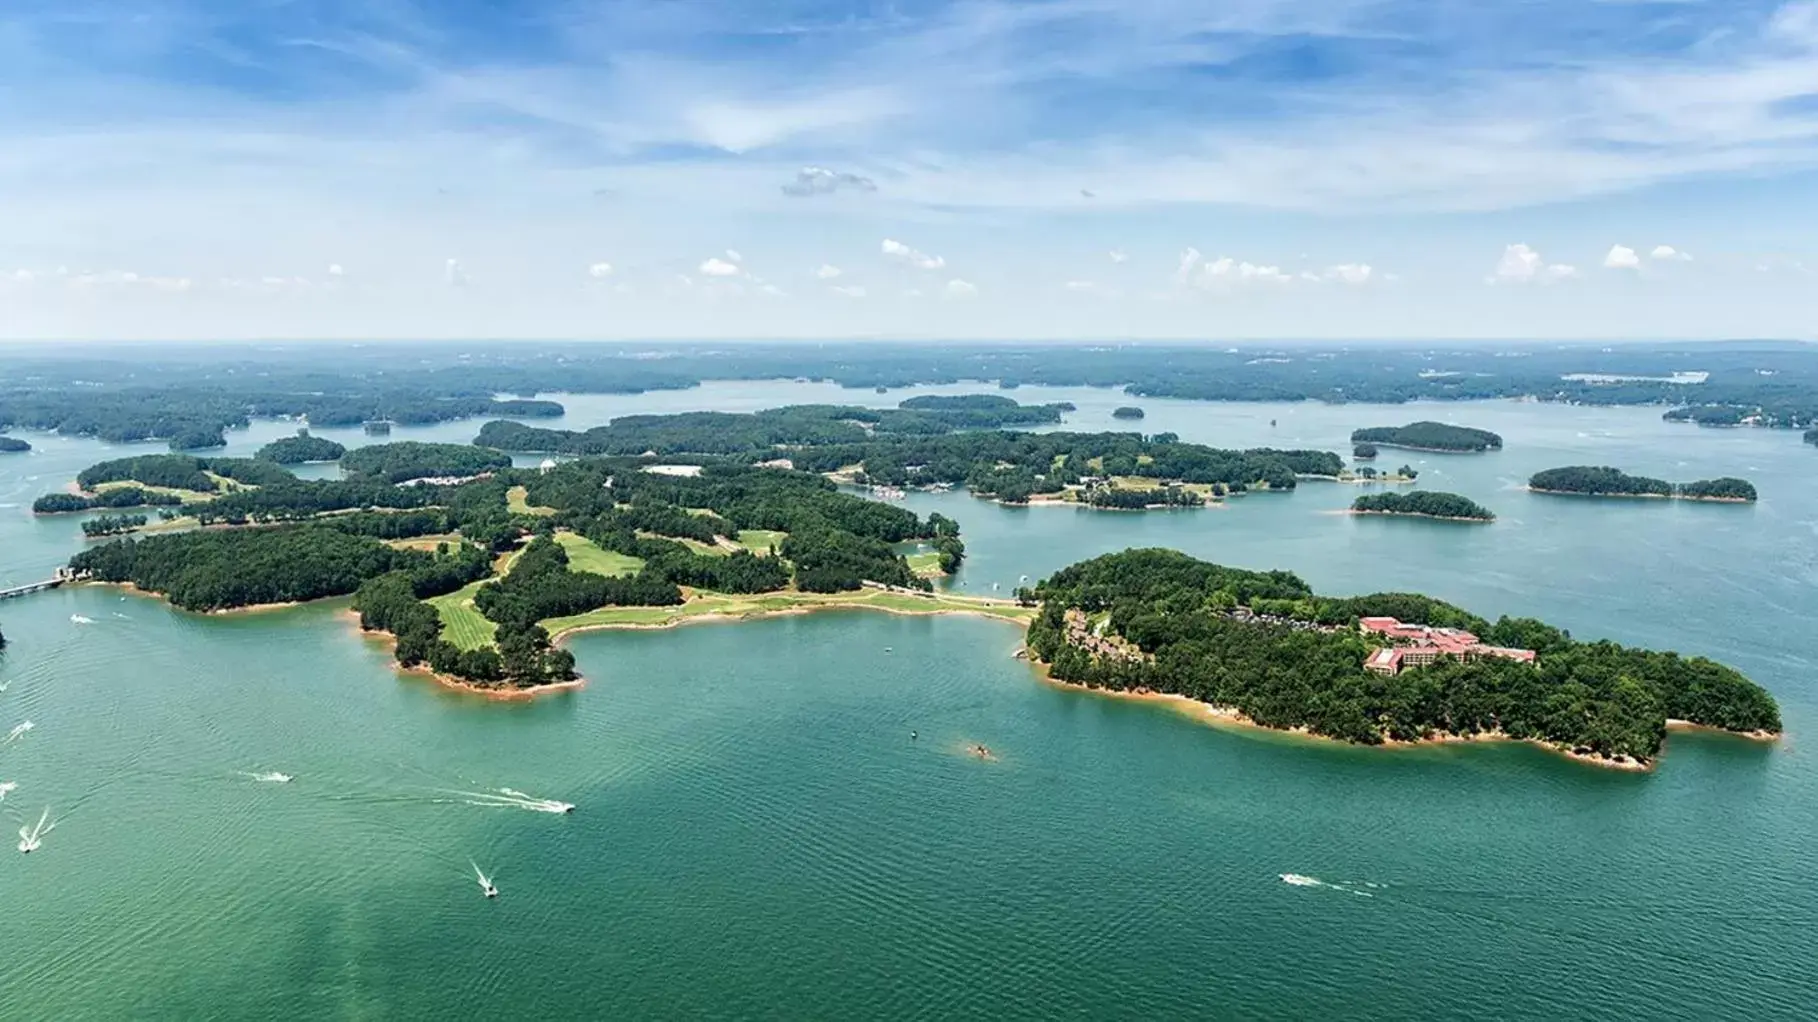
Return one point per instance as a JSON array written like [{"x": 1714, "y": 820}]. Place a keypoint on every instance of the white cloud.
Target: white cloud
[
  {"x": 335, "y": 270},
  {"x": 1350, "y": 273},
  {"x": 1667, "y": 253},
  {"x": 903, "y": 253},
  {"x": 957, "y": 288},
  {"x": 717, "y": 267},
  {"x": 1118, "y": 255},
  {"x": 1227, "y": 270},
  {"x": 1521, "y": 264},
  {"x": 813, "y": 181},
  {"x": 1188, "y": 260},
  {"x": 733, "y": 254},
  {"x": 1621, "y": 257},
  {"x": 828, "y": 272},
  {"x": 850, "y": 291},
  {"x": 454, "y": 274},
  {"x": 600, "y": 271}
]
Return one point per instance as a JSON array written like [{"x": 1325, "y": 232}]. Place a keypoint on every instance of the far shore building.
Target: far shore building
[{"x": 1417, "y": 645}]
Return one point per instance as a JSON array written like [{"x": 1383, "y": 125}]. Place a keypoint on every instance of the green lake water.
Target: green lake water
[{"x": 758, "y": 836}]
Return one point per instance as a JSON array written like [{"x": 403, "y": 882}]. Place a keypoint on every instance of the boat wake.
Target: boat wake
[
  {"x": 18, "y": 730},
  {"x": 7, "y": 788},
  {"x": 1302, "y": 880},
  {"x": 30, "y": 836},
  {"x": 270, "y": 777},
  {"x": 81, "y": 620},
  {"x": 510, "y": 798}
]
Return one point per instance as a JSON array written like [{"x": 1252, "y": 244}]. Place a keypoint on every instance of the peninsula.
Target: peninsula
[
  {"x": 1590, "y": 481},
  {"x": 1423, "y": 504},
  {"x": 1262, "y": 648},
  {"x": 1437, "y": 437}
]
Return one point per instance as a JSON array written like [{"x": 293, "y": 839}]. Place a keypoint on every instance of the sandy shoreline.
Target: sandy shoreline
[
  {"x": 1675, "y": 724},
  {"x": 1229, "y": 716},
  {"x": 758, "y": 615},
  {"x": 1640, "y": 496}
]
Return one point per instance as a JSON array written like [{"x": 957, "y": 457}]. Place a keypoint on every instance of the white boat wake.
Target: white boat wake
[
  {"x": 486, "y": 885},
  {"x": 18, "y": 729},
  {"x": 509, "y": 798},
  {"x": 1302, "y": 880},
  {"x": 30, "y": 837},
  {"x": 270, "y": 777},
  {"x": 80, "y": 620},
  {"x": 7, "y": 788}
]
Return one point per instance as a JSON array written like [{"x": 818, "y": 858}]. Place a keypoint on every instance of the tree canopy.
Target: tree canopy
[
  {"x": 295, "y": 450},
  {"x": 1424, "y": 504},
  {"x": 1430, "y": 436},
  {"x": 1604, "y": 481},
  {"x": 405, "y": 460}
]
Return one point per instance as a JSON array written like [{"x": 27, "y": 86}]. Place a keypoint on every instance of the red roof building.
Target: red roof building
[{"x": 1416, "y": 645}]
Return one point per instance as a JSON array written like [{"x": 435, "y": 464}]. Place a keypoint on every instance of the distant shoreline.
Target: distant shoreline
[{"x": 1431, "y": 450}]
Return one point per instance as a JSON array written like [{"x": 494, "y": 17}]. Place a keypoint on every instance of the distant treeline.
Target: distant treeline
[
  {"x": 1428, "y": 436},
  {"x": 181, "y": 472},
  {"x": 727, "y": 433},
  {"x": 1423, "y": 503},
  {"x": 1605, "y": 481},
  {"x": 1127, "y": 412},
  {"x": 1300, "y": 664},
  {"x": 295, "y": 450},
  {"x": 115, "y": 497}
]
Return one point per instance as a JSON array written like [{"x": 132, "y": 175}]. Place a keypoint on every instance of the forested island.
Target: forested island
[
  {"x": 1439, "y": 437},
  {"x": 1263, "y": 647},
  {"x": 1363, "y": 452},
  {"x": 1423, "y": 504},
  {"x": 406, "y": 460},
  {"x": 474, "y": 578},
  {"x": 299, "y": 449},
  {"x": 1604, "y": 481},
  {"x": 13, "y": 445},
  {"x": 1127, "y": 412}
]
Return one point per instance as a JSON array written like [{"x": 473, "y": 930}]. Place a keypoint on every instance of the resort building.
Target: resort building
[{"x": 1416, "y": 645}]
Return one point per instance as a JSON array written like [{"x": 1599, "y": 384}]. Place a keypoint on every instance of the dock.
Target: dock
[{"x": 63, "y": 575}]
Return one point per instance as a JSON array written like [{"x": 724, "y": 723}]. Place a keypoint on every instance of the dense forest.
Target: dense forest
[
  {"x": 191, "y": 395},
  {"x": 1264, "y": 644},
  {"x": 1423, "y": 504},
  {"x": 216, "y": 570},
  {"x": 295, "y": 450},
  {"x": 13, "y": 445},
  {"x": 409, "y": 459},
  {"x": 1604, "y": 481},
  {"x": 1127, "y": 412},
  {"x": 1429, "y": 436},
  {"x": 1120, "y": 498},
  {"x": 113, "y": 497},
  {"x": 182, "y": 472},
  {"x": 1363, "y": 452}
]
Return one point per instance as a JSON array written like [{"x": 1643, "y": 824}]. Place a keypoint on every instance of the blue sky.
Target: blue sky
[{"x": 918, "y": 168}]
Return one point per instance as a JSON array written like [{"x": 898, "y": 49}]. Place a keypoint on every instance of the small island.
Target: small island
[
  {"x": 1604, "y": 481},
  {"x": 1423, "y": 504},
  {"x": 1436, "y": 437},
  {"x": 1261, "y": 648},
  {"x": 1363, "y": 452},
  {"x": 300, "y": 449},
  {"x": 1127, "y": 412},
  {"x": 13, "y": 445}
]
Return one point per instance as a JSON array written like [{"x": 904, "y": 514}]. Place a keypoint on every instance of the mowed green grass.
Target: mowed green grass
[
  {"x": 517, "y": 501},
  {"x": 462, "y": 624},
  {"x": 701, "y": 604},
  {"x": 759, "y": 541},
  {"x": 585, "y": 555}
]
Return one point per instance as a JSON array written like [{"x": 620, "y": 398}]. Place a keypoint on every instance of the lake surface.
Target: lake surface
[{"x": 758, "y": 836}]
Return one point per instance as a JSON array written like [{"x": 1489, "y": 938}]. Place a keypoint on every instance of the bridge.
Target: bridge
[{"x": 63, "y": 575}]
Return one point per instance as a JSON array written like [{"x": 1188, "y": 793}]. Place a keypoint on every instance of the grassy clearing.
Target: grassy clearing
[
  {"x": 517, "y": 501},
  {"x": 429, "y": 542},
  {"x": 462, "y": 624},
  {"x": 702, "y": 604},
  {"x": 183, "y": 494},
  {"x": 585, "y": 555},
  {"x": 759, "y": 541},
  {"x": 925, "y": 562}
]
